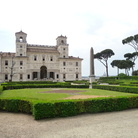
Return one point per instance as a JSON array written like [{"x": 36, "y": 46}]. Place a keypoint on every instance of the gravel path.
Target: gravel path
[{"x": 122, "y": 124}]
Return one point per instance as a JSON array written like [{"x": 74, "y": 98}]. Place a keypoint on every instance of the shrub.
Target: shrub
[
  {"x": 135, "y": 73},
  {"x": 122, "y": 75},
  {"x": 126, "y": 89},
  {"x": 64, "y": 109},
  {"x": 15, "y": 105},
  {"x": 44, "y": 110},
  {"x": 73, "y": 107},
  {"x": 103, "y": 79},
  {"x": 1, "y": 89},
  {"x": 19, "y": 86}
]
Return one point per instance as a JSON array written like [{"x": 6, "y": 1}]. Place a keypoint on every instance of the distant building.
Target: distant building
[{"x": 39, "y": 62}]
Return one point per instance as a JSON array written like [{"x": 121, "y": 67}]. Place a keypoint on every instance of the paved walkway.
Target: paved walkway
[{"x": 123, "y": 124}]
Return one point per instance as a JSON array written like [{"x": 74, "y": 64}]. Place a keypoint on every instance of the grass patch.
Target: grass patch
[
  {"x": 48, "y": 105},
  {"x": 32, "y": 95},
  {"x": 106, "y": 93},
  {"x": 37, "y": 95}
]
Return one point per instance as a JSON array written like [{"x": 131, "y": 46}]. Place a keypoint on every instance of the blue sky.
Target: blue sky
[{"x": 87, "y": 23}]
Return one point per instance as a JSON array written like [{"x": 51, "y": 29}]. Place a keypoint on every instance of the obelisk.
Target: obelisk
[{"x": 92, "y": 76}]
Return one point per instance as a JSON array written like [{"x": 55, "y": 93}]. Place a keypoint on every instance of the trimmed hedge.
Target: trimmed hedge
[
  {"x": 125, "y": 89},
  {"x": 1, "y": 89},
  {"x": 15, "y": 105},
  {"x": 22, "y": 86},
  {"x": 119, "y": 77},
  {"x": 68, "y": 108},
  {"x": 71, "y": 108}
]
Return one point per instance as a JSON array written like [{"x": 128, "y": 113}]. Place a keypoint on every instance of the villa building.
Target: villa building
[{"x": 39, "y": 62}]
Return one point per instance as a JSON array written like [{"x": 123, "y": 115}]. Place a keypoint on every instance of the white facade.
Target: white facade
[{"x": 39, "y": 62}]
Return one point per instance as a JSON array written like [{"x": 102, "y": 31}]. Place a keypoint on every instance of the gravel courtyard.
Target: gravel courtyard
[{"x": 123, "y": 124}]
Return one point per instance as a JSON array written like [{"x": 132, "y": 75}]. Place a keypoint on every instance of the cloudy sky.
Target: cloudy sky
[{"x": 101, "y": 24}]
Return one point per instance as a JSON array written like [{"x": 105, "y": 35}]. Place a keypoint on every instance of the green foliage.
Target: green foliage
[
  {"x": 74, "y": 107},
  {"x": 103, "y": 57},
  {"x": 15, "y": 105},
  {"x": 81, "y": 82},
  {"x": 44, "y": 110},
  {"x": 32, "y": 94},
  {"x": 122, "y": 78},
  {"x": 63, "y": 108},
  {"x": 125, "y": 89},
  {"x": 132, "y": 41},
  {"x": 122, "y": 75},
  {"x": 53, "y": 85},
  {"x": 135, "y": 73},
  {"x": 1, "y": 89}
]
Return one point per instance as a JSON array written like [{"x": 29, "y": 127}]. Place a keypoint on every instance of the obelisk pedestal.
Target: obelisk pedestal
[{"x": 92, "y": 76}]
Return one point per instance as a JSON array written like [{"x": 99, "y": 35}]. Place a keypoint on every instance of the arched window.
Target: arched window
[
  {"x": 43, "y": 58},
  {"x": 62, "y": 42},
  {"x": 21, "y": 39},
  {"x": 35, "y": 58},
  {"x": 43, "y": 72},
  {"x": 51, "y": 58}
]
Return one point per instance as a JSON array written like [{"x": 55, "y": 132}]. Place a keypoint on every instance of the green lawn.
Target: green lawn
[
  {"x": 34, "y": 94},
  {"x": 106, "y": 93}
]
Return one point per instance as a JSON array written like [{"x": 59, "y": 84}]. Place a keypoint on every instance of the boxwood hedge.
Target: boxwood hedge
[
  {"x": 126, "y": 89},
  {"x": 41, "y": 110},
  {"x": 15, "y": 105},
  {"x": 71, "y": 108},
  {"x": 1, "y": 89}
]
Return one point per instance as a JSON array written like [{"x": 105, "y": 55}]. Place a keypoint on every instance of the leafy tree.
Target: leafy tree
[
  {"x": 123, "y": 64},
  {"x": 126, "y": 64},
  {"x": 132, "y": 57},
  {"x": 103, "y": 57},
  {"x": 122, "y": 75},
  {"x": 132, "y": 41},
  {"x": 135, "y": 73},
  {"x": 115, "y": 63}
]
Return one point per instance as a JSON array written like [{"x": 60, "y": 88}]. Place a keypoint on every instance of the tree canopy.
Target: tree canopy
[
  {"x": 103, "y": 57},
  {"x": 132, "y": 41},
  {"x": 123, "y": 64}
]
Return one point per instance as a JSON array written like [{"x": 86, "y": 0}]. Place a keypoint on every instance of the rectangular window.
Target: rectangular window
[
  {"x": 28, "y": 76},
  {"x": 64, "y": 76},
  {"x": 35, "y": 58},
  {"x": 64, "y": 63},
  {"x": 76, "y": 63},
  {"x": 57, "y": 76},
  {"x": 21, "y": 76},
  {"x": 6, "y": 76},
  {"x": 43, "y": 58},
  {"x": 51, "y": 58},
  {"x": 21, "y": 63},
  {"x": 77, "y": 76},
  {"x": 6, "y": 62}
]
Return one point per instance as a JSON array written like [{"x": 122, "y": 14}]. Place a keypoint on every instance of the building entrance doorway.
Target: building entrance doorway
[
  {"x": 43, "y": 72},
  {"x": 51, "y": 75},
  {"x": 34, "y": 75}
]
